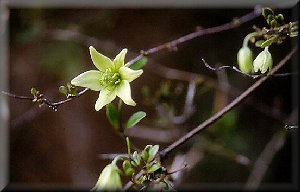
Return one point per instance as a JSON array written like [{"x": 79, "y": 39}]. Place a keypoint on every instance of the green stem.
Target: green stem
[
  {"x": 248, "y": 37},
  {"x": 128, "y": 146}
]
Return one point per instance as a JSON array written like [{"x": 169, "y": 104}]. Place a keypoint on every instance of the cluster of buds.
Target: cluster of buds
[{"x": 261, "y": 63}]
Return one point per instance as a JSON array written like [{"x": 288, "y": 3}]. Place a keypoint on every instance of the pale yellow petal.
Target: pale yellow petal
[
  {"x": 89, "y": 79},
  {"x": 105, "y": 97},
  {"x": 100, "y": 61},
  {"x": 119, "y": 60},
  {"x": 124, "y": 92},
  {"x": 129, "y": 74}
]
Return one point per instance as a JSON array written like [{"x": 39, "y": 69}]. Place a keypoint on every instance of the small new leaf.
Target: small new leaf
[
  {"x": 128, "y": 170},
  {"x": 258, "y": 43},
  {"x": 136, "y": 158},
  {"x": 63, "y": 90},
  {"x": 154, "y": 167},
  {"x": 145, "y": 153},
  {"x": 139, "y": 64},
  {"x": 135, "y": 118},
  {"x": 33, "y": 91},
  {"x": 267, "y": 11},
  {"x": 267, "y": 43},
  {"x": 152, "y": 152}
]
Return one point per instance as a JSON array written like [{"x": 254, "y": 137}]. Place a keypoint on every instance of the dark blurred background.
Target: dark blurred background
[{"x": 49, "y": 47}]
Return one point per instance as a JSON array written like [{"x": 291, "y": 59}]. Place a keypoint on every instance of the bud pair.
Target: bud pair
[{"x": 261, "y": 63}]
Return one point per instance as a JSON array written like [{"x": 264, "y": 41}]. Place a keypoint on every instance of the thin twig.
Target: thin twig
[
  {"x": 226, "y": 109},
  {"x": 248, "y": 75},
  {"x": 53, "y": 105}
]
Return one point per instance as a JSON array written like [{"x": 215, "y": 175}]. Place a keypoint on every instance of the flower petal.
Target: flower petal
[
  {"x": 124, "y": 92},
  {"x": 89, "y": 79},
  {"x": 105, "y": 97},
  {"x": 100, "y": 61},
  {"x": 119, "y": 60},
  {"x": 129, "y": 74}
]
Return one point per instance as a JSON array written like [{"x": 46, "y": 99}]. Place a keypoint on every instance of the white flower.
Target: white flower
[
  {"x": 112, "y": 78},
  {"x": 109, "y": 179},
  {"x": 263, "y": 61}
]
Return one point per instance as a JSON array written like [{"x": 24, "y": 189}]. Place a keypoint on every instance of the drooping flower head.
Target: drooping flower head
[
  {"x": 263, "y": 62},
  {"x": 112, "y": 78},
  {"x": 109, "y": 179}
]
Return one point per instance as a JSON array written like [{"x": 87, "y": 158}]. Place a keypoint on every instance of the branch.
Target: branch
[
  {"x": 53, "y": 105},
  {"x": 248, "y": 75},
  {"x": 229, "y": 107},
  {"x": 172, "y": 45}
]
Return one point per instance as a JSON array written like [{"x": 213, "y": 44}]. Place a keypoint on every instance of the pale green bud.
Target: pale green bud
[
  {"x": 244, "y": 59},
  {"x": 263, "y": 61},
  {"x": 109, "y": 179}
]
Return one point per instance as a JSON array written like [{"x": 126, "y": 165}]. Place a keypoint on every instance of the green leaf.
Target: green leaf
[
  {"x": 128, "y": 170},
  {"x": 280, "y": 17},
  {"x": 33, "y": 91},
  {"x": 258, "y": 43},
  {"x": 136, "y": 158},
  {"x": 270, "y": 18},
  {"x": 266, "y": 43},
  {"x": 113, "y": 115},
  {"x": 139, "y": 64},
  {"x": 152, "y": 152},
  {"x": 63, "y": 90},
  {"x": 153, "y": 168},
  {"x": 267, "y": 11},
  {"x": 145, "y": 152},
  {"x": 135, "y": 118},
  {"x": 273, "y": 23}
]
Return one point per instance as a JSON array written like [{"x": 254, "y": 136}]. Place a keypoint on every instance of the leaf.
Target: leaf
[
  {"x": 267, "y": 11},
  {"x": 136, "y": 158},
  {"x": 63, "y": 90},
  {"x": 153, "y": 168},
  {"x": 127, "y": 167},
  {"x": 139, "y": 64},
  {"x": 152, "y": 152},
  {"x": 135, "y": 118},
  {"x": 33, "y": 91},
  {"x": 113, "y": 115},
  {"x": 145, "y": 152},
  {"x": 258, "y": 43},
  {"x": 266, "y": 43}
]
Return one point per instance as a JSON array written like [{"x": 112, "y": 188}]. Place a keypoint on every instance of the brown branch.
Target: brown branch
[
  {"x": 173, "y": 44},
  {"x": 226, "y": 109},
  {"x": 53, "y": 105}
]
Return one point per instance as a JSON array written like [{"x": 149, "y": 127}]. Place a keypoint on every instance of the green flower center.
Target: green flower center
[{"x": 110, "y": 78}]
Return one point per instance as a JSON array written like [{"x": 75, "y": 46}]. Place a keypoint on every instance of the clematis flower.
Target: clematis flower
[
  {"x": 263, "y": 61},
  {"x": 109, "y": 179},
  {"x": 112, "y": 78}
]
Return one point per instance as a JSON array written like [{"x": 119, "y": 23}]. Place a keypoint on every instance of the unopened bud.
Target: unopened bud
[{"x": 244, "y": 59}]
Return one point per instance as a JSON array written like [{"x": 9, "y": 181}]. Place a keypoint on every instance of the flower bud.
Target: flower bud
[
  {"x": 244, "y": 59},
  {"x": 263, "y": 61},
  {"x": 109, "y": 179}
]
